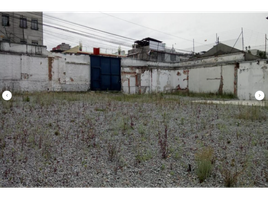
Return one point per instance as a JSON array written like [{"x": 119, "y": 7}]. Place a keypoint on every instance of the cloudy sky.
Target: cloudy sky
[{"x": 183, "y": 31}]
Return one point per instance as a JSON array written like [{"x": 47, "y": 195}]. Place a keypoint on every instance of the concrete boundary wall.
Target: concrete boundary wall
[
  {"x": 218, "y": 79},
  {"x": 140, "y": 80},
  {"x": 252, "y": 77},
  {"x": 42, "y": 73},
  {"x": 23, "y": 73},
  {"x": 19, "y": 48},
  {"x": 59, "y": 72}
]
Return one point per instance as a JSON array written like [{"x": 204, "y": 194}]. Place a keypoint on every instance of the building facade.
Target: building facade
[
  {"x": 22, "y": 27},
  {"x": 61, "y": 48},
  {"x": 150, "y": 49}
]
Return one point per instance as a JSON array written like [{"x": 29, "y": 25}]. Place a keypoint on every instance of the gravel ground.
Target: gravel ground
[{"x": 115, "y": 140}]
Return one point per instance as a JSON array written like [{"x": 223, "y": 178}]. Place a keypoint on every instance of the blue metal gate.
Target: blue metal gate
[{"x": 105, "y": 73}]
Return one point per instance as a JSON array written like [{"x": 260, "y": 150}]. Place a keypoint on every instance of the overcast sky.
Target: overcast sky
[{"x": 174, "y": 29}]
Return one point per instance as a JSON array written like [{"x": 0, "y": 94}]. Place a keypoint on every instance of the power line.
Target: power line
[
  {"x": 81, "y": 34},
  {"x": 101, "y": 38},
  {"x": 92, "y": 28},
  {"x": 88, "y": 27},
  {"x": 149, "y": 28},
  {"x": 236, "y": 41}
]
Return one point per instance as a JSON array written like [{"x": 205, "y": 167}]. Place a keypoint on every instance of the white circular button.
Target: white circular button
[
  {"x": 6, "y": 95},
  {"x": 259, "y": 95}
]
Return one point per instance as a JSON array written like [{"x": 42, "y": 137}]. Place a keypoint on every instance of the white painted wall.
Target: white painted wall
[
  {"x": 10, "y": 67},
  {"x": 228, "y": 78},
  {"x": 77, "y": 77},
  {"x": 234, "y": 57},
  {"x": 145, "y": 82},
  {"x": 30, "y": 73},
  {"x": 214, "y": 60},
  {"x": 208, "y": 79},
  {"x": 20, "y": 72},
  {"x": 152, "y": 80},
  {"x": 251, "y": 78},
  {"x": 34, "y": 68},
  {"x": 204, "y": 80},
  {"x": 23, "y": 48}
]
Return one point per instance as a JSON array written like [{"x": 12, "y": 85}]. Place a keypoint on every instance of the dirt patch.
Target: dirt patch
[{"x": 114, "y": 140}]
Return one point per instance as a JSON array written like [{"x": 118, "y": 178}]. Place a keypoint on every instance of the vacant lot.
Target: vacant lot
[{"x": 115, "y": 140}]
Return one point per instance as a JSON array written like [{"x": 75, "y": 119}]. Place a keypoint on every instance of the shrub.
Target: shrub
[
  {"x": 26, "y": 99},
  {"x": 204, "y": 160},
  {"x": 141, "y": 129},
  {"x": 112, "y": 152},
  {"x": 230, "y": 177},
  {"x": 143, "y": 156}
]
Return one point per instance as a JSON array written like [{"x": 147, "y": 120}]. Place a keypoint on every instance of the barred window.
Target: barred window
[
  {"x": 5, "y": 20},
  {"x": 23, "y": 22},
  {"x": 34, "y": 24}
]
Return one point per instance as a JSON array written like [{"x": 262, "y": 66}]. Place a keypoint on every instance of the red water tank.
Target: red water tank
[{"x": 96, "y": 51}]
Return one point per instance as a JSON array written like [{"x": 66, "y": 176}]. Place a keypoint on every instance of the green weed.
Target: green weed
[
  {"x": 141, "y": 129},
  {"x": 143, "y": 156},
  {"x": 251, "y": 113},
  {"x": 112, "y": 152},
  {"x": 204, "y": 160},
  {"x": 26, "y": 99},
  {"x": 100, "y": 109}
]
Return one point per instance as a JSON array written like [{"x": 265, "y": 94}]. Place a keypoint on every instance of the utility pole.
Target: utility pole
[
  {"x": 242, "y": 39},
  {"x": 193, "y": 45},
  {"x": 265, "y": 43}
]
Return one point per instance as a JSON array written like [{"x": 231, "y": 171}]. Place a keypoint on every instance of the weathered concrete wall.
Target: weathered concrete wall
[
  {"x": 228, "y": 75},
  {"x": 235, "y": 57},
  {"x": 142, "y": 80},
  {"x": 201, "y": 76},
  {"x": 10, "y": 67},
  {"x": 77, "y": 77},
  {"x": 181, "y": 79},
  {"x": 218, "y": 60},
  {"x": 218, "y": 79},
  {"x": 23, "y": 48},
  {"x": 252, "y": 76},
  {"x": 22, "y": 72},
  {"x": 40, "y": 73},
  {"x": 69, "y": 72},
  {"x": 129, "y": 62},
  {"x": 58, "y": 72},
  {"x": 204, "y": 80}
]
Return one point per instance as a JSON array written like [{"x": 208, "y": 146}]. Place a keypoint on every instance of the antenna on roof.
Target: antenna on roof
[
  {"x": 193, "y": 46},
  {"x": 217, "y": 39},
  {"x": 80, "y": 45},
  {"x": 242, "y": 39}
]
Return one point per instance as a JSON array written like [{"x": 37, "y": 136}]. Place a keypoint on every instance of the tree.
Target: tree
[
  {"x": 262, "y": 54},
  {"x": 119, "y": 50}
]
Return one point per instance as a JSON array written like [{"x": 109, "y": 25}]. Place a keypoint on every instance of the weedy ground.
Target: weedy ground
[{"x": 100, "y": 139}]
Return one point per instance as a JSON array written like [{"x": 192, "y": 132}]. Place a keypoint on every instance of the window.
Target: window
[
  {"x": 6, "y": 40},
  {"x": 34, "y": 24},
  {"x": 5, "y": 20},
  {"x": 23, "y": 41},
  {"x": 34, "y": 42},
  {"x": 172, "y": 57},
  {"x": 23, "y": 22}
]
